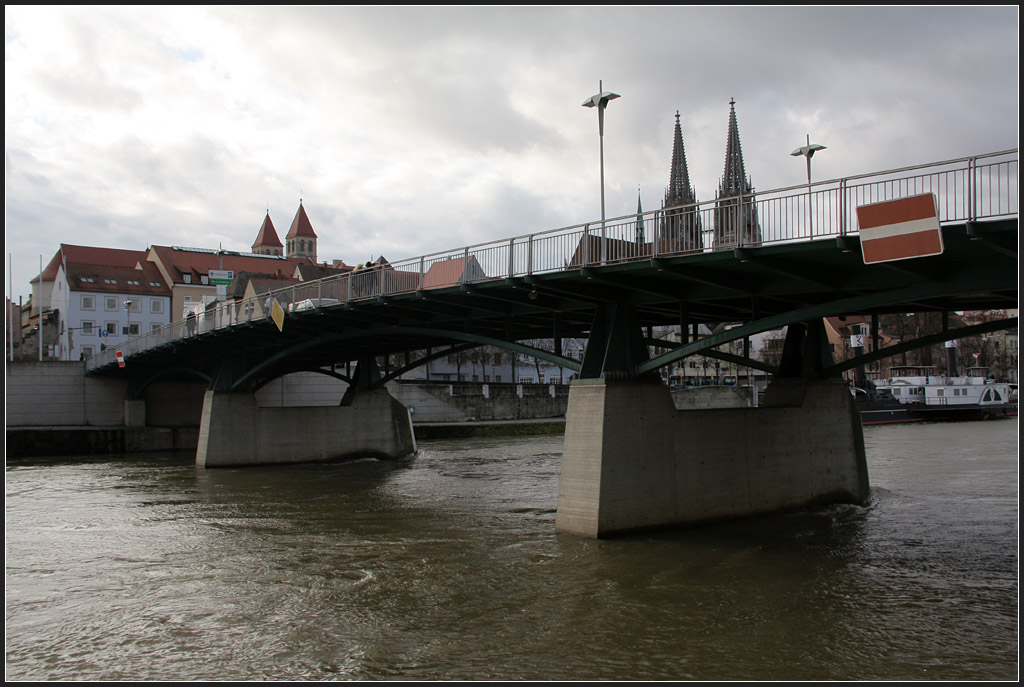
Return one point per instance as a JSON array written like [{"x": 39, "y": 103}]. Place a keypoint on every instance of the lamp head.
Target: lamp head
[
  {"x": 601, "y": 99},
  {"x": 807, "y": 150}
]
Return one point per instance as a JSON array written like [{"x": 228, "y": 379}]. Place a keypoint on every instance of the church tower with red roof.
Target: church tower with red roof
[
  {"x": 301, "y": 239},
  {"x": 267, "y": 242}
]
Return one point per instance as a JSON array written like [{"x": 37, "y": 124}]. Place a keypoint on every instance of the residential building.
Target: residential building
[{"x": 99, "y": 297}]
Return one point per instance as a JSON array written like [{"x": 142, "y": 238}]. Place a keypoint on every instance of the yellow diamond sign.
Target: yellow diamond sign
[{"x": 277, "y": 315}]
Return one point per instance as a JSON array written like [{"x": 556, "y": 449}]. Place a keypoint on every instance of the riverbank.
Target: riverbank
[{"x": 27, "y": 442}]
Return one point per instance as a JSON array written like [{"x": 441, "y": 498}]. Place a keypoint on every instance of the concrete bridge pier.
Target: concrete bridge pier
[
  {"x": 236, "y": 431},
  {"x": 631, "y": 461}
]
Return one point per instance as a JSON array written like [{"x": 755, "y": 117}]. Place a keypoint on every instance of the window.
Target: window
[
  {"x": 86, "y": 351},
  {"x": 132, "y": 282},
  {"x": 111, "y": 328},
  {"x": 132, "y": 329},
  {"x": 156, "y": 327},
  {"x": 88, "y": 303},
  {"x": 154, "y": 283},
  {"x": 110, "y": 304},
  {"x": 187, "y": 278},
  {"x": 87, "y": 328},
  {"x": 156, "y": 306},
  {"x": 204, "y": 278},
  {"x": 135, "y": 305},
  {"x": 110, "y": 281},
  {"x": 86, "y": 280}
]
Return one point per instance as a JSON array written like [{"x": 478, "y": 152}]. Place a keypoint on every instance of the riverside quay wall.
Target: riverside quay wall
[{"x": 52, "y": 408}]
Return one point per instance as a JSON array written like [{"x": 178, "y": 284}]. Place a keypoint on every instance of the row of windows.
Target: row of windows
[
  {"x": 110, "y": 304},
  {"x": 130, "y": 282},
  {"x": 89, "y": 328}
]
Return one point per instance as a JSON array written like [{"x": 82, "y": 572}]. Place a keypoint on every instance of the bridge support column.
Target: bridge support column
[
  {"x": 134, "y": 412},
  {"x": 631, "y": 461},
  {"x": 236, "y": 431}
]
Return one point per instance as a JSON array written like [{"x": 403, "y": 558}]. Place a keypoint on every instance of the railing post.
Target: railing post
[
  {"x": 739, "y": 220},
  {"x": 842, "y": 207},
  {"x": 421, "y": 273},
  {"x": 604, "y": 244},
  {"x": 465, "y": 266},
  {"x": 529, "y": 255},
  {"x": 972, "y": 209},
  {"x": 586, "y": 245},
  {"x": 655, "y": 232},
  {"x": 511, "y": 258}
]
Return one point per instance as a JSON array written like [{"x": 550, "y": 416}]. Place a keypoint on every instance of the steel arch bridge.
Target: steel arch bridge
[{"x": 608, "y": 282}]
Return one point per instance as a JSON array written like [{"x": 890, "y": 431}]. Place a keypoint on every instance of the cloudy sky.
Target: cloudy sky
[{"x": 412, "y": 130}]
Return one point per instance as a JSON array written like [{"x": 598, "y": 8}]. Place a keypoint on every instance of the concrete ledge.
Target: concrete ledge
[
  {"x": 510, "y": 428},
  {"x": 25, "y": 442}
]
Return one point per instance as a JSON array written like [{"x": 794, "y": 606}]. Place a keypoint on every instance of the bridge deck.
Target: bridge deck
[{"x": 773, "y": 284}]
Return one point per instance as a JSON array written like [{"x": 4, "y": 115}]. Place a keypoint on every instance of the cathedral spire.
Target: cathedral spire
[
  {"x": 679, "y": 191},
  {"x": 736, "y": 221},
  {"x": 680, "y": 230},
  {"x": 734, "y": 180}
]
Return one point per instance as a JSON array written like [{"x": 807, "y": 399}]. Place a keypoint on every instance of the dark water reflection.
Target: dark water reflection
[{"x": 447, "y": 566}]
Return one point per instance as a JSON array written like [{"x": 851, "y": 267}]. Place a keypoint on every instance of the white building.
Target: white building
[{"x": 103, "y": 297}]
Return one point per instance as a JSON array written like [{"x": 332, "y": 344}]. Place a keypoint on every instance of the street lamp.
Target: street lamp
[
  {"x": 127, "y": 316},
  {"x": 808, "y": 151},
  {"x": 600, "y": 101}
]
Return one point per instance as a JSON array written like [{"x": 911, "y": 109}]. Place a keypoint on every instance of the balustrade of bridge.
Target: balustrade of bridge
[{"x": 967, "y": 189}]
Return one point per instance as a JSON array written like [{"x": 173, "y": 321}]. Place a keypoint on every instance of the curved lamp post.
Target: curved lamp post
[
  {"x": 600, "y": 101},
  {"x": 808, "y": 151}
]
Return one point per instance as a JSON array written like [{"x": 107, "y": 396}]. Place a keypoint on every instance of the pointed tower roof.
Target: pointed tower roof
[
  {"x": 301, "y": 225},
  {"x": 679, "y": 191},
  {"x": 734, "y": 180},
  {"x": 639, "y": 218},
  {"x": 268, "y": 235}
]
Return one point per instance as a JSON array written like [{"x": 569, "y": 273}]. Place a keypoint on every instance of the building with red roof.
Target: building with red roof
[
  {"x": 266, "y": 242},
  {"x": 301, "y": 239}
]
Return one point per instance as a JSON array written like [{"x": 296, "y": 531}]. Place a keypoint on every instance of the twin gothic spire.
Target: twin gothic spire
[{"x": 735, "y": 217}]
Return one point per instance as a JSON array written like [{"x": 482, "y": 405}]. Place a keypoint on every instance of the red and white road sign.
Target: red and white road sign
[
  {"x": 120, "y": 359},
  {"x": 900, "y": 229}
]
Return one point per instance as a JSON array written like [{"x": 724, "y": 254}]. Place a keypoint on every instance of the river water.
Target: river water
[{"x": 446, "y": 566}]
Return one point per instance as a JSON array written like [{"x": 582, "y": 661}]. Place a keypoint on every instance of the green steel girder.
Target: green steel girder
[
  {"x": 480, "y": 340},
  {"x": 420, "y": 362},
  {"x": 862, "y": 303},
  {"x": 940, "y": 337},
  {"x": 718, "y": 355}
]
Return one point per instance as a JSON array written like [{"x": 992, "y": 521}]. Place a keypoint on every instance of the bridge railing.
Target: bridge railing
[{"x": 967, "y": 189}]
